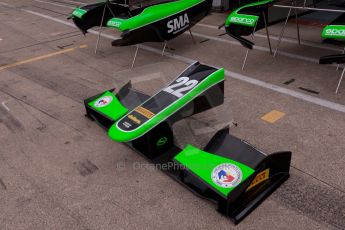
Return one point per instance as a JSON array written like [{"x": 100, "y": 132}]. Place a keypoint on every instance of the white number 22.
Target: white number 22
[{"x": 182, "y": 81}]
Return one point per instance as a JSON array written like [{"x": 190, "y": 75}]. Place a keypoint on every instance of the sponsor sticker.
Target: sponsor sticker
[
  {"x": 178, "y": 24},
  {"x": 162, "y": 141},
  {"x": 103, "y": 101},
  {"x": 243, "y": 21},
  {"x": 134, "y": 118},
  {"x": 127, "y": 124},
  {"x": 261, "y": 177},
  {"x": 227, "y": 175},
  {"x": 114, "y": 23},
  {"x": 335, "y": 32},
  {"x": 145, "y": 112}
]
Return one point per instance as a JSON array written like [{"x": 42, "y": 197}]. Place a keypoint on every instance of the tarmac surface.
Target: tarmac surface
[{"x": 59, "y": 170}]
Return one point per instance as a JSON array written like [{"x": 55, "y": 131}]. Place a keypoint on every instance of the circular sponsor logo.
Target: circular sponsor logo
[
  {"x": 227, "y": 175},
  {"x": 162, "y": 141},
  {"x": 103, "y": 101}
]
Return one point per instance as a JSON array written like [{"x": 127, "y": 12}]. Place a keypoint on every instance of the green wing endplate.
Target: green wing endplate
[
  {"x": 108, "y": 105},
  {"x": 78, "y": 12},
  {"x": 221, "y": 173},
  {"x": 231, "y": 172},
  {"x": 246, "y": 19},
  {"x": 105, "y": 108},
  {"x": 98, "y": 13}
]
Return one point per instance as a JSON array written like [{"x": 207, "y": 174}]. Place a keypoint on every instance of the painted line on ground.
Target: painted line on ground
[
  {"x": 5, "y": 4},
  {"x": 74, "y": 2},
  {"x": 5, "y": 106},
  {"x": 241, "y": 77},
  {"x": 259, "y": 48},
  {"x": 276, "y": 38},
  {"x": 42, "y": 57},
  {"x": 289, "y": 92},
  {"x": 55, "y": 4}
]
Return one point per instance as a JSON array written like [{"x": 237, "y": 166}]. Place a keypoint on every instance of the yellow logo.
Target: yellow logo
[
  {"x": 261, "y": 177},
  {"x": 134, "y": 118},
  {"x": 145, "y": 112}
]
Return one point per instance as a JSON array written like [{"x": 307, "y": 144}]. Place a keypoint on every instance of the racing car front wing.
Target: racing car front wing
[{"x": 228, "y": 171}]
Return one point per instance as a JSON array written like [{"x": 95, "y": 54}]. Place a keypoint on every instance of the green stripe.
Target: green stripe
[{"x": 119, "y": 135}]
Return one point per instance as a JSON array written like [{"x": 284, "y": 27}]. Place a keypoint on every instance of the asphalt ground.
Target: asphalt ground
[{"x": 58, "y": 170}]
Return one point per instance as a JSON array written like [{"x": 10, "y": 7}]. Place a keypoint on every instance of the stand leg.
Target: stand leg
[
  {"x": 282, "y": 33},
  {"x": 267, "y": 33},
  {"x": 245, "y": 59},
  {"x": 340, "y": 80},
  {"x": 193, "y": 39},
  {"x": 247, "y": 53},
  {"x": 164, "y": 47},
  {"x": 339, "y": 64},
  {"x": 298, "y": 31},
  {"x": 101, "y": 27},
  {"x": 135, "y": 56},
  {"x": 112, "y": 13}
]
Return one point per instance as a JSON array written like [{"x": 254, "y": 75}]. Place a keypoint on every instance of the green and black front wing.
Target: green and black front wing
[
  {"x": 228, "y": 171},
  {"x": 151, "y": 23}
]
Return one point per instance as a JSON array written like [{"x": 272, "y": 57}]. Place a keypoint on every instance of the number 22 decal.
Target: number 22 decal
[{"x": 182, "y": 81}]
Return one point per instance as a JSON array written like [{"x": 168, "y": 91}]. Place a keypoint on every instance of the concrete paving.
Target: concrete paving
[{"x": 58, "y": 170}]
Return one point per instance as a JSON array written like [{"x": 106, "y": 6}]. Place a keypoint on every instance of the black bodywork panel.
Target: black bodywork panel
[{"x": 333, "y": 59}]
